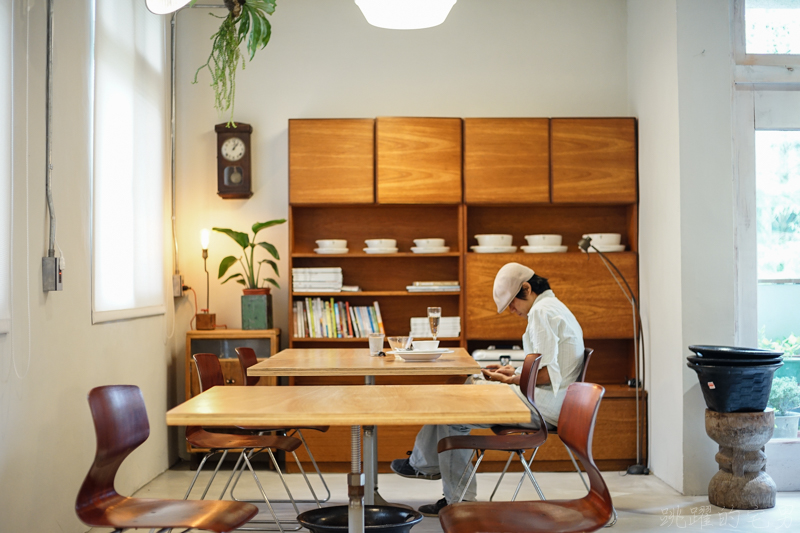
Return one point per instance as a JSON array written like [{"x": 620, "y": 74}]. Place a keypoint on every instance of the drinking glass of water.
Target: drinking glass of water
[{"x": 434, "y": 317}]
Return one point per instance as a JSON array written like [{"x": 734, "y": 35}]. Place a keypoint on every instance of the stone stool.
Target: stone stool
[{"x": 742, "y": 481}]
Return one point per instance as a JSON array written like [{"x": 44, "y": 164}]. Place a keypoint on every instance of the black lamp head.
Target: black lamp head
[{"x": 585, "y": 243}]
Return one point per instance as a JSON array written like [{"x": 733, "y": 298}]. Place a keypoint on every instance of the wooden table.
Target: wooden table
[
  {"x": 358, "y": 362},
  {"x": 351, "y": 405}
]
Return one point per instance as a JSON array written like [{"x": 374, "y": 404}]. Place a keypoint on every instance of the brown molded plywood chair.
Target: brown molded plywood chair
[
  {"x": 120, "y": 422},
  {"x": 247, "y": 358},
  {"x": 210, "y": 375},
  {"x": 590, "y": 513},
  {"x": 516, "y": 439}
]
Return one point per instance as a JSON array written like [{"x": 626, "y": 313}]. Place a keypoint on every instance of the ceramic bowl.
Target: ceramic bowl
[
  {"x": 543, "y": 240},
  {"x": 331, "y": 243},
  {"x": 604, "y": 238},
  {"x": 425, "y": 345},
  {"x": 381, "y": 243},
  {"x": 429, "y": 243},
  {"x": 400, "y": 343},
  {"x": 494, "y": 240}
]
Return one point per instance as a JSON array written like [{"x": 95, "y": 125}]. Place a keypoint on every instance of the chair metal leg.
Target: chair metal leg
[
  {"x": 316, "y": 467},
  {"x": 526, "y": 465},
  {"x": 200, "y": 468},
  {"x": 472, "y": 475},
  {"x": 502, "y": 474},
  {"x": 578, "y": 468},
  {"x": 613, "y": 517}
]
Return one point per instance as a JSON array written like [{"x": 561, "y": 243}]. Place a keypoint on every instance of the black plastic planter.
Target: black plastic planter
[
  {"x": 733, "y": 352},
  {"x": 735, "y": 389},
  {"x": 377, "y": 518}
]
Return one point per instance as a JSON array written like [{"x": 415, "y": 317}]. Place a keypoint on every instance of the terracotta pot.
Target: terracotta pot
[{"x": 248, "y": 292}]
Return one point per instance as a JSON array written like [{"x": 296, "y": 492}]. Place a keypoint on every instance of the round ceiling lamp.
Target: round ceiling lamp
[
  {"x": 405, "y": 14},
  {"x": 162, "y": 7}
]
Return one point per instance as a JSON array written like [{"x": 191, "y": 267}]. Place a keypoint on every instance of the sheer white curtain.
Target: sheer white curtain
[
  {"x": 5, "y": 166},
  {"x": 130, "y": 116}
]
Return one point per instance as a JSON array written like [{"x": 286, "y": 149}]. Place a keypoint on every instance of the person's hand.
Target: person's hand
[
  {"x": 498, "y": 374},
  {"x": 506, "y": 370}
]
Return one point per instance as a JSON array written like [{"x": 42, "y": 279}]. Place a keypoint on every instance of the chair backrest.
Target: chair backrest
[
  {"x": 576, "y": 429},
  {"x": 587, "y": 355},
  {"x": 247, "y": 358},
  {"x": 120, "y": 423},
  {"x": 209, "y": 371},
  {"x": 527, "y": 384}
]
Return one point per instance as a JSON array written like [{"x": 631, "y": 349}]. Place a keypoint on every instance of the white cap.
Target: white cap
[{"x": 508, "y": 282}]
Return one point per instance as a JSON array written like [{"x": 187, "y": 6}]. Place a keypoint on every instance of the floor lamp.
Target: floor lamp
[{"x": 585, "y": 244}]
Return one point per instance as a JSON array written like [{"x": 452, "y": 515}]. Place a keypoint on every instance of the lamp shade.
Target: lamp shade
[
  {"x": 204, "y": 236},
  {"x": 162, "y": 7},
  {"x": 405, "y": 14}
]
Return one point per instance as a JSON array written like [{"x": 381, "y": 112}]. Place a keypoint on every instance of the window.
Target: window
[
  {"x": 772, "y": 26},
  {"x": 129, "y": 161},
  {"x": 5, "y": 167}
]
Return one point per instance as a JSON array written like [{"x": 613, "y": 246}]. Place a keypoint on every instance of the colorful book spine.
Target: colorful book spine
[{"x": 378, "y": 317}]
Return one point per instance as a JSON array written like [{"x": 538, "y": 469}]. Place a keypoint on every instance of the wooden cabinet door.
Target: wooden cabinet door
[
  {"x": 418, "y": 160},
  {"x": 585, "y": 287},
  {"x": 593, "y": 160},
  {"x": 506, "y": 160},
  {"x": 331, "y": 161}
]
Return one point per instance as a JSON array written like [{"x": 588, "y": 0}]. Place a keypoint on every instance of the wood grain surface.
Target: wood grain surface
[
  {"x": 581, "y": 282},
  {"x": 418, "y": 160},
  {"x": 351, "y": 405},
  {"x": 506, "y": 160},
  {"x": 358, "y": 362},
  {"x": 331, "y": 161},
  {"x": 593, "y": 160}
]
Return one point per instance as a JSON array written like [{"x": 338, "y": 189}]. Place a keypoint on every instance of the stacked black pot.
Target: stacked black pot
[{"x": 735, "y": 380}]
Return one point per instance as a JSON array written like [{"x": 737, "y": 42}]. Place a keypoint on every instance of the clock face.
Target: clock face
[{"x": 233, "y": 149}]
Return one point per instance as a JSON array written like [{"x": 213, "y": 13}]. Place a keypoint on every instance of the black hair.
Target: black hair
[{"x": 538, "y": 286}]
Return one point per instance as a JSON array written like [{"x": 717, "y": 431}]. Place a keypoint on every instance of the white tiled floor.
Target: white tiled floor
[{"x": 644, "y": 503}]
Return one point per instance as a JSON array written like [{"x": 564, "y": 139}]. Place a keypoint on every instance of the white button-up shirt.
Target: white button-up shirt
[{"x": 553, "y": 332}]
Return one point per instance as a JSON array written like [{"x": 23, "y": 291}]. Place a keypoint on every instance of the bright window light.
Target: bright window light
[{"x": 772, "y": 26}]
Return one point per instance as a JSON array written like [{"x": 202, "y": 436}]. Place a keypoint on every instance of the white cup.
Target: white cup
[
  {"x": 425, "y": 345},
  {"x": 332, "y": 243},
  {"x": 494, "y": 240},
  {"x": 375, "y": 343},
  {"x": 429, "y": 243},
  {"x": 543, "y": 240},
  {"x": 604, "y": 238},
  {"x": 381, "y": 243}
]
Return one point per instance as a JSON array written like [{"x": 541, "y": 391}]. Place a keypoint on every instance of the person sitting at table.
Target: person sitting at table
[{"x": 553, "y": 332}]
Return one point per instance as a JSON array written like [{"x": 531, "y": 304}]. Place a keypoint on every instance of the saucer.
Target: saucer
[
  {"x": 605, "y": 248},
  {"x": 494, "y": 249},
  {"x": 544, "y": 249},
  {"x": 331, "y": 250},
  {"x": 380, "y": 250},
  {"x": 430, "y": 249}
]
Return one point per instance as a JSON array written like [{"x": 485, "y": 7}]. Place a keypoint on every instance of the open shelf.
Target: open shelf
[
  {"x": 362, "y": 255},
  {"x": 372, "y": 294}
]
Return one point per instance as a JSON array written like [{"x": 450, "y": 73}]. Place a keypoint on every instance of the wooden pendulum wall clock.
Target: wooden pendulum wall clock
[{"x": 234, "y": 172}]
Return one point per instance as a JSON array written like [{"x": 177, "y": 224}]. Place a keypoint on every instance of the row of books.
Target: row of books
[
  {"x": 329, "y": 319},
  {"x": 434, "y": 286},
  {"x": 449, "y": 326},
  {"x": 317, "y": 279}
]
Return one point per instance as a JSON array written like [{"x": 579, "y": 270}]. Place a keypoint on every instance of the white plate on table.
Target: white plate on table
[
  {"x": 494, "y": 249},
  {"x": 420, "y": 355},
  {"x": 380, "y": 250},
  {"x": 331, "y": 250},
  {"x": 430, "y": 249},
  {"x": 543, "y": 249}
]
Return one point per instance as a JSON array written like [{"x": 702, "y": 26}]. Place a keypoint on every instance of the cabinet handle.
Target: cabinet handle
[{"x": 230, "y": 381}]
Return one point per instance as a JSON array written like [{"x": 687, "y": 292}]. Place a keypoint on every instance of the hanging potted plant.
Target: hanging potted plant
[
  {"x": 783, "y": 397},
  {"x": 256, "y": 300},
  {"x": 245, "y": 19}
]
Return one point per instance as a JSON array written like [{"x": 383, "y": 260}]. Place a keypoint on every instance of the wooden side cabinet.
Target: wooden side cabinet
[
  {"x": 593, "y": 160},
  {"x": 506, "y": 160},
  {"x": 331, "y": 161},
  {"x": 418, "y": 160}
]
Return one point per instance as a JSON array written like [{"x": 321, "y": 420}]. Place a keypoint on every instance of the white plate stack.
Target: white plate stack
[
  {"x": 494, "y": 244},
  {"x": 449, "y": 326},
  {"x": 606, "y": 242},
  {"x": 543, "y": 244},
  {"x": 381, "y": 246},
  {"x": 429, "y": 246},
  {"x": 317, "y": 279}
]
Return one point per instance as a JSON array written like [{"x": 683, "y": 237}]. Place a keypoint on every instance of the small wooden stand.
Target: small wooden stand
[
  {"x": 206, "y": 321},
  {"x": 742, "y": 481}
]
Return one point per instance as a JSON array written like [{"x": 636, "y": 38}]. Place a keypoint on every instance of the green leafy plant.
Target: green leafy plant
[
  {"x": 790, "y": 346},
  {"x": 784, "y": 395},
  {"x": 250, "y": 278},
  {"x": 245, "y": 19}
]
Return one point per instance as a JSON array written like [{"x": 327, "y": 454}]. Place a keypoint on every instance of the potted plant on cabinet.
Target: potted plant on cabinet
[
  {"x": 256, "y": 300},
  {"x": 783, "y": 397}
]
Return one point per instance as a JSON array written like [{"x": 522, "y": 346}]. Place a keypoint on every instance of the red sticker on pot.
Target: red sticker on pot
[{"x": 711, "y": 385}]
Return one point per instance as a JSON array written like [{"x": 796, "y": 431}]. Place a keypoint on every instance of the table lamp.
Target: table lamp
[
  {"x": 584, "y": 244},
  {"x": 204, "y": 319}
]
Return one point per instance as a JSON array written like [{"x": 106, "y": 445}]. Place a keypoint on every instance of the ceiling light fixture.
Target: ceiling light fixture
[
  {"x": 163, "y": 7},
  {"x": 404, "y": 14}
]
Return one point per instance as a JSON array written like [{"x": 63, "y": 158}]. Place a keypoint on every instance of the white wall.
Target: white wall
[
  {"x": 50, "y": 362},
  {"x": 653, "y": 88},
  {"x": 517, "y": 58}
]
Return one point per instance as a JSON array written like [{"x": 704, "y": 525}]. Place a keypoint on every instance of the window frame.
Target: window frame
[{"x": 740, "y": 55}]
